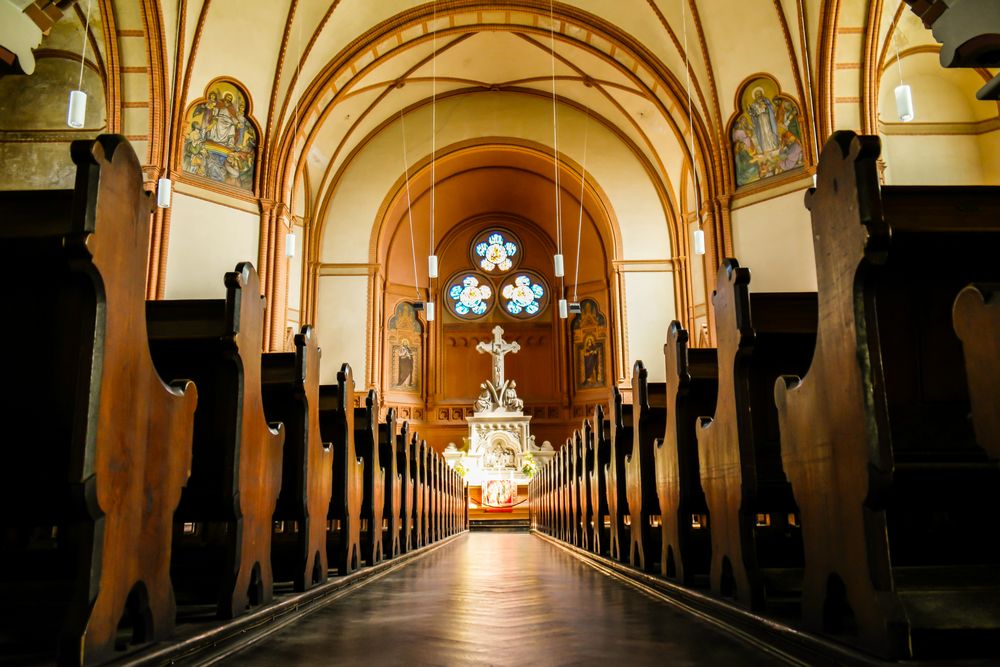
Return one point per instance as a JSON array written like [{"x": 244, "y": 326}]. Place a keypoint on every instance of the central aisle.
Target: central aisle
[{"x": 499, "y": 599}]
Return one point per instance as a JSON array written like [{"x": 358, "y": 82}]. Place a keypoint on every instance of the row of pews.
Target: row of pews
[
  {"x": 833, "y": 463},
  {"x": 129, "y": 502}
]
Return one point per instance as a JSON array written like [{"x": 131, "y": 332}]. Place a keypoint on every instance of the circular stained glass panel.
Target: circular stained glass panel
[
  {"x": 469, "y": 295},
  {"x": 496, "y": 251},
  {"x": 525, "y": 296}
]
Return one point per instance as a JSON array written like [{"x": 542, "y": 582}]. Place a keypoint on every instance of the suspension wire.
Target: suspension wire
[
  {"x": 409, "y": 210},
  {"x": 583, "y": 186},
  {"x": 83, "y": 51},
  {"x": 895, "y": 44},
  {"x": 433, "y": 134},
  {"x": 555, "y": 139},
  {"x": 687, "y": 72},
  {"x": 178, "y": 50},
  {"x": 295, "y": 107}
]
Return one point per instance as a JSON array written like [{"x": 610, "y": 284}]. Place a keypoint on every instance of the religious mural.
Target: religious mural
[
  {"x": 405, "y": 342},
  {"x": 220, "y": 140},
  {"x": 767, "y": 135},
  {"x": 499, "y": 493},
  {"x": 590, "y": 333}
]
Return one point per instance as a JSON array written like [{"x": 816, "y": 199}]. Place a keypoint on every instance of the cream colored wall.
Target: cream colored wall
[
  {"x": 342, "y": 312},
  {"x": 649, "y": 314},
  {"x": 206, "y": 241},
  {"x": 773, "y": 238},
  {"x": 374, "y": 171},
  {"x": 957, "y": 160}
]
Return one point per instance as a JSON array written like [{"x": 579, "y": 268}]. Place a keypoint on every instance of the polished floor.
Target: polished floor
[{"x": 499, "y": 599}]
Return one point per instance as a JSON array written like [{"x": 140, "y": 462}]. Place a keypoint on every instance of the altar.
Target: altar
[{"x": 499, "y": 454}]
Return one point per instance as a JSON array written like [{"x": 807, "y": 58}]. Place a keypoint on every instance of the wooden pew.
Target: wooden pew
[
  {"x": 976, "y": 315},
  {"x": 756, "y": 541},
  {"x": 391, "y": 533},
  {"x": 291, "y": 394},
  {"x": 898, "y": 501},
  {"x": 430, "y": 498},
  {"x": 571, "y": 491},
  {"x": 650, "y": 418},
  {"x": 584, "y": 475},
  {"x": 373, "y": 499},
  {"x": 403, "y": 460},
  {"x": 99, "y": 446},
  {"x": 563, "y": 492},
  {"x": 418, "y": 470},
  {"x": 336, "y": 422},
  {"x": 692, "y": 387},
  {"x": 599, "y": 453},
  {"x": 614, "y": 477},
  {"x": 222, "y": 526}
]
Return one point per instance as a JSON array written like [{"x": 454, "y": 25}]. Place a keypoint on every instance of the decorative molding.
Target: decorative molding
[
  {"x": 643, "y": 265},
  {"x": 349, "y": 269},
  {"x": 939, "y": 129}
]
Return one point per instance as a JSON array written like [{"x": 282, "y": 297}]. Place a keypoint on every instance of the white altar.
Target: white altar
[{"x": 499, "y": 447}]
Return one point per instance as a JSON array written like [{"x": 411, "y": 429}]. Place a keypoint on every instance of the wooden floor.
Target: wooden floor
[{"x": 499, "y": 599}]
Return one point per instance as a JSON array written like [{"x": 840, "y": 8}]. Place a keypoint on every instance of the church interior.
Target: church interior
[{"x": 554, "y": 331}]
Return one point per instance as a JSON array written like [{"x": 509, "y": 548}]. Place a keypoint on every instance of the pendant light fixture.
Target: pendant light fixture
[
  {"x": 164, "y": 186},
  {"x": 409, "y": 208},
  {"x": 699, "y": 233},
  {"x": 432, "y": 259},
  {"x": 574, "y": 305},
  {"x": 904, "y": 94},
  {"x": 558, "y": 263},
  {"x": 76, "y": 112}
]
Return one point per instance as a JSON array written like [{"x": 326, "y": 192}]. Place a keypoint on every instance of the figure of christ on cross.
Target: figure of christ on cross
[{"x": 498, "y": 348}]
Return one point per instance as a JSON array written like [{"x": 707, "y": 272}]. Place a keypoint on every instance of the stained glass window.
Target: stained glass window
[
  {"x": 469, "y": 295},
  {"x": 526, "y": 295},
  {"x": 496, "y": 251}
]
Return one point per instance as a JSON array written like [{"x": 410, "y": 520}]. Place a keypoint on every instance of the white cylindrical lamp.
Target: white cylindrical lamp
[
  {"x": 76, "y": 113},
  {"x": 163, "y": 192},
  {"x": 699, "y": 242},
  {"x": 429, "y": 311},
  {"x": 904, "y": 102},
  {"x": 290, "y": 244},
  {"x": 563, "y": 309},
  {"x": 560, "y": 266}
]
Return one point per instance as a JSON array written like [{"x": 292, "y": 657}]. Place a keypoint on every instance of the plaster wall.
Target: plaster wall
[
  {"x": 206, "y": 241},
  {"x": 773, "y": 238}
]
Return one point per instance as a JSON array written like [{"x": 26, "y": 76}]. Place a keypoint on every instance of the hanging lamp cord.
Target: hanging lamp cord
[{"x": 687, "y": 72}]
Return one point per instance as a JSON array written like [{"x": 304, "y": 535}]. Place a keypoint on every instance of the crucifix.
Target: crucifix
[{"x": 497, "y": 349}]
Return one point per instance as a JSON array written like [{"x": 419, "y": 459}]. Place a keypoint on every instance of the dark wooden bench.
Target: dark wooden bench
[
  {"x": 99, "y": 447},
  {"x": 584, "y": 475},
  {"x": 756, "y": 540},
  {"x": 898, "y": 500},
  {"x": 977, "y": 323},
  {"x": 391, "y": 546},
  {"x": 570, "y": 490},
  {"x": 650, "y": 417},
  {"x": 222, "y": 526},
  {"x": 291, "y": 395},
  {"x": 614, "y": 477},
  {"x": 366, "y": 426},
  {"x": 599, "y": 454},
  {"x": 336, "y": 420},
  {"x": 692, "y": 387},
  {"x": 403, "y": 461},
  {"x": 418, "y": 468}
]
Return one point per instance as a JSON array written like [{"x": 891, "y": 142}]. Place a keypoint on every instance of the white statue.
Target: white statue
[{"x": 497, "y": 349}]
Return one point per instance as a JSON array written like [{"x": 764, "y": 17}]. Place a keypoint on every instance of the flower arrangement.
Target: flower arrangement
[
  {"x": 460, "y": 468},
  {"x": 529, "y": 467}
]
